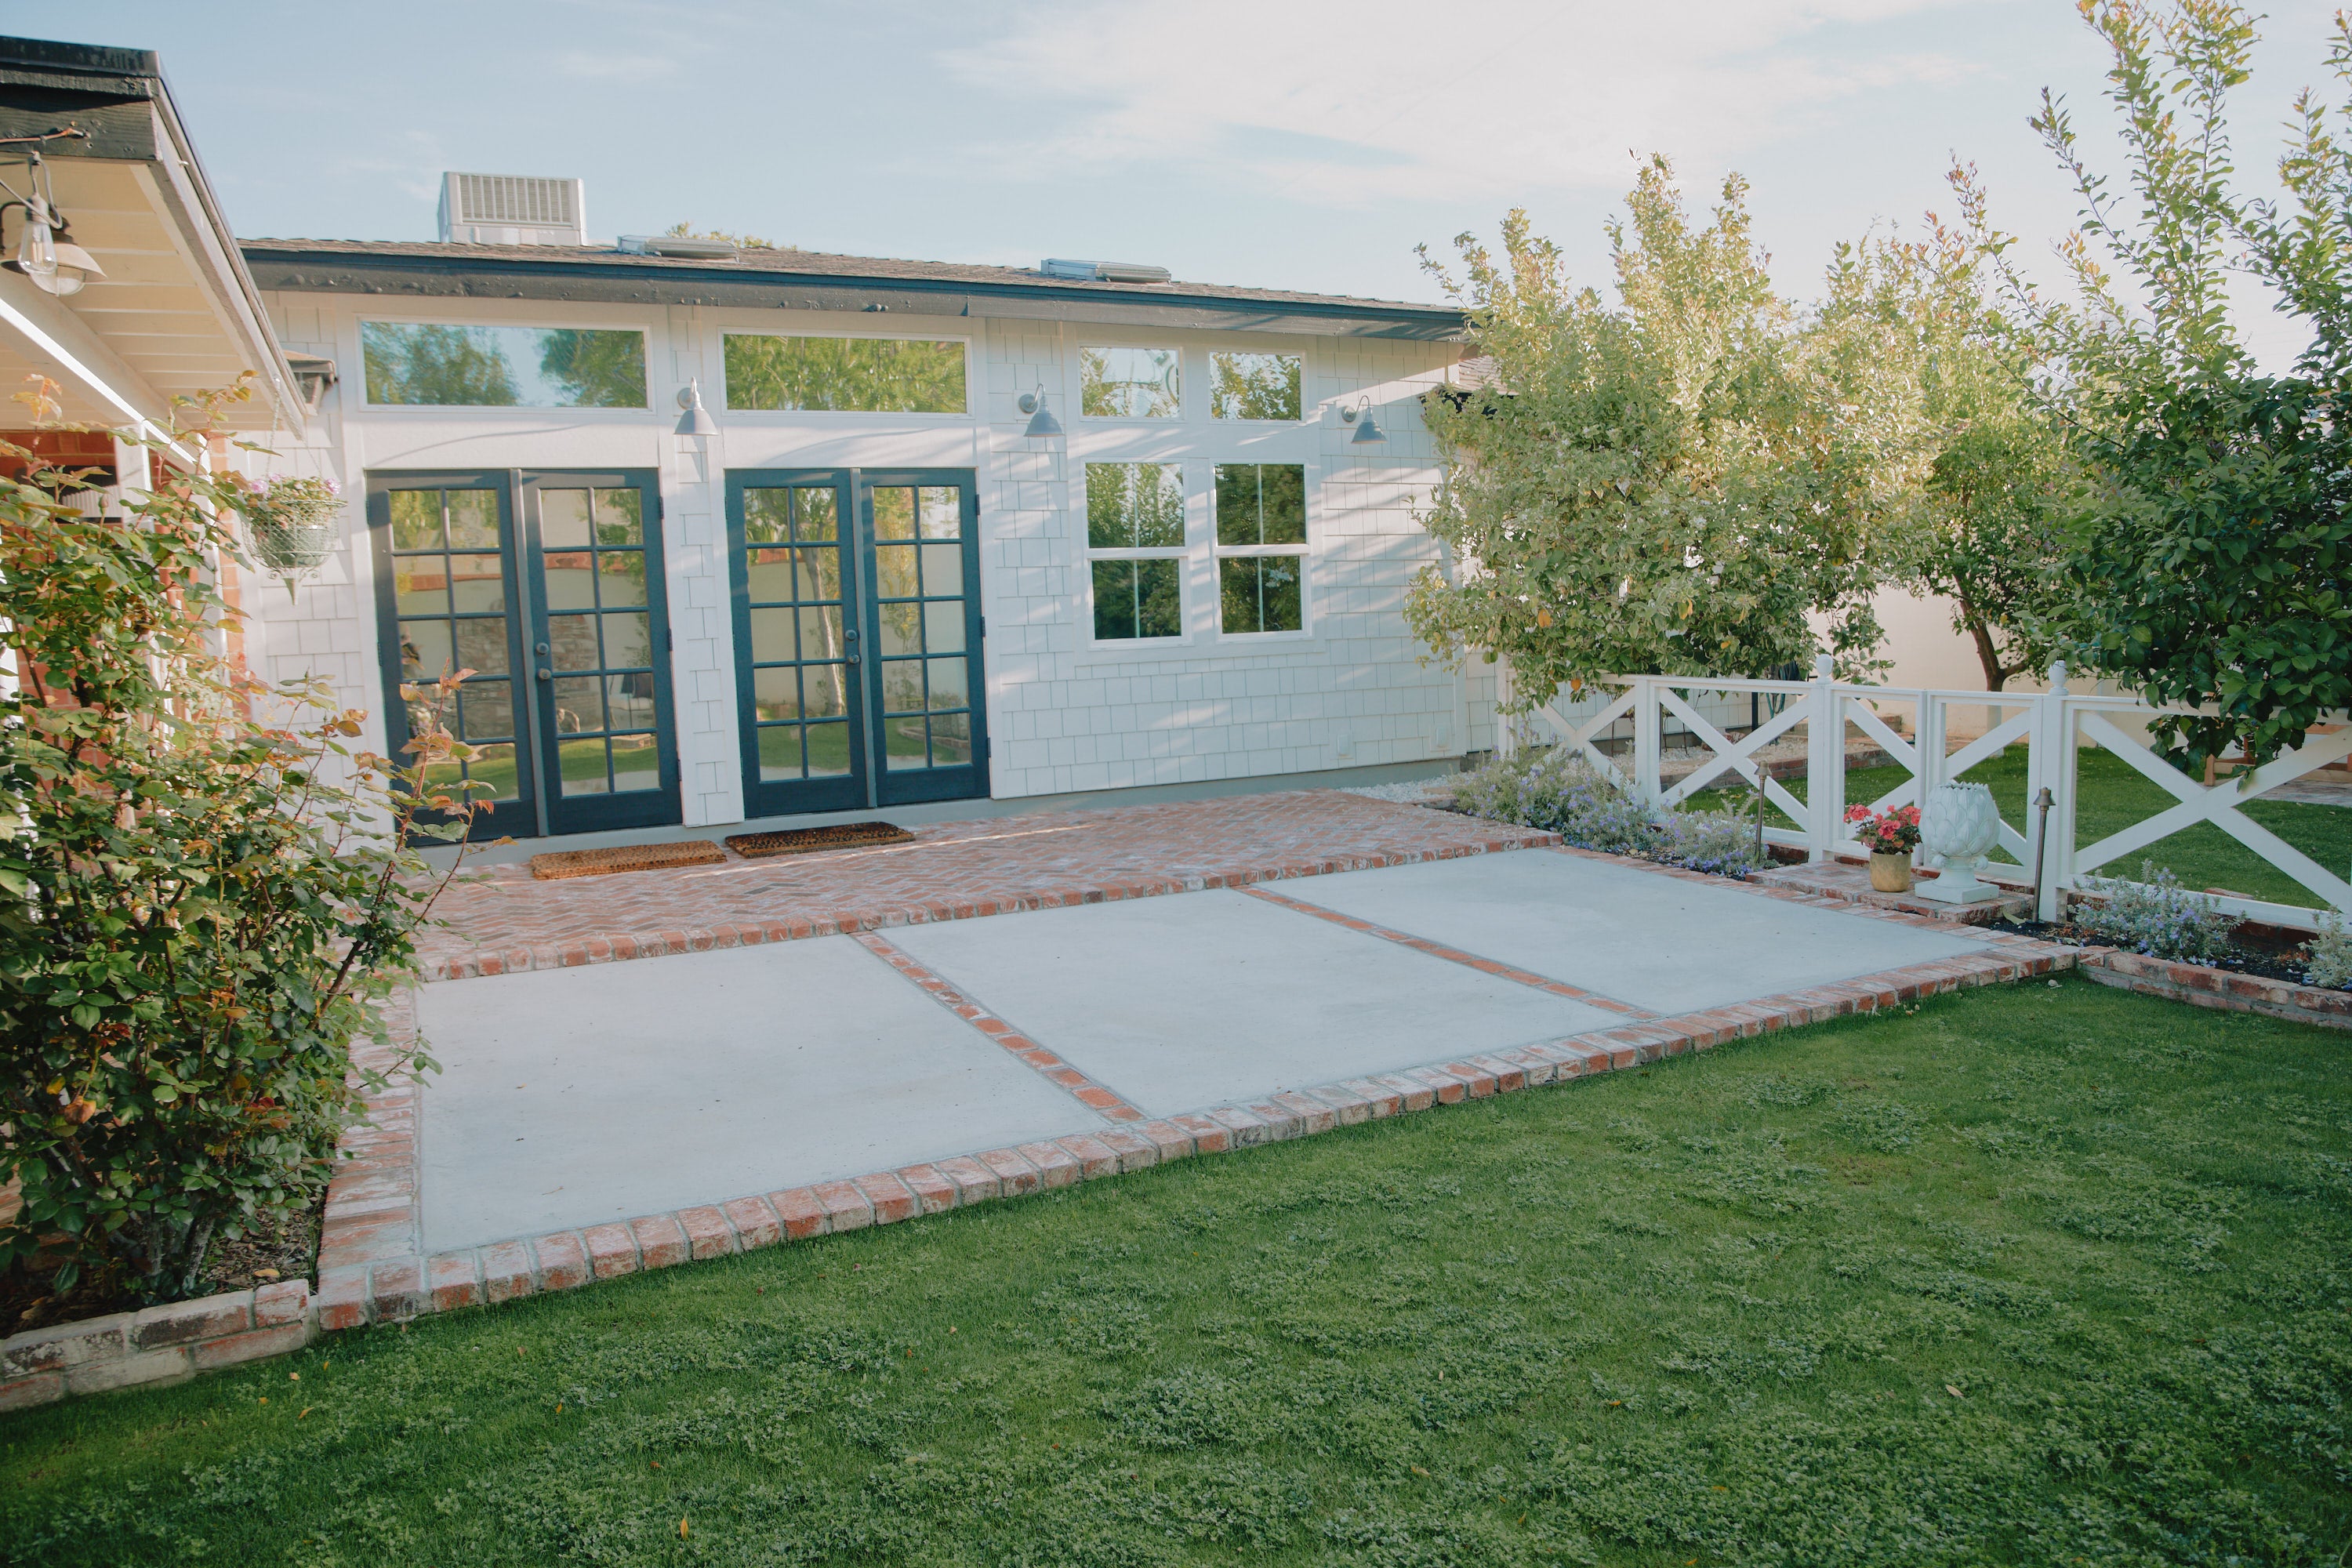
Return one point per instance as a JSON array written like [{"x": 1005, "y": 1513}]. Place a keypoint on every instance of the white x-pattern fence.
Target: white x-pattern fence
[{"x": 2052, "y": 725}]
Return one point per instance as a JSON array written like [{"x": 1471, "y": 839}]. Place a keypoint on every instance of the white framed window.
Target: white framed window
[
  {"x": 1123, "y": 382},
  {"x": 439, "y": 364},
  {"x": 781, "y": 372},
  {"x": 1254, "y": 387},
  {"x": 1260, "y": 512},
  {"x": 1135, "y": 550}
]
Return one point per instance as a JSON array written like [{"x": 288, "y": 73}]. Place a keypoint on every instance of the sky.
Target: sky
[{"x": 1263, "y": 142}]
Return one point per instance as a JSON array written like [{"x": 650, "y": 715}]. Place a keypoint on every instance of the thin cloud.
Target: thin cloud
[
  {"x": 1385, "y": 100},
  {"x": 585, "y": 66}
]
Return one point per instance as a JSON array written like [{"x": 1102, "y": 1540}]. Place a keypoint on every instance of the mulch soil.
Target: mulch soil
[
  {"x": 287, "y": 1249},
  {"x": 2254, "y": 951}
]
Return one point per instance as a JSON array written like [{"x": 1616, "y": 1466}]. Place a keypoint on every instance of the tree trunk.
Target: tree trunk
[{"x": 1995, "y": 675}]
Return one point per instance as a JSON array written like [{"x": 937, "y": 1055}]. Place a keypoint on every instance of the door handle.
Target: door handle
[{"x": 547, "y": 675}]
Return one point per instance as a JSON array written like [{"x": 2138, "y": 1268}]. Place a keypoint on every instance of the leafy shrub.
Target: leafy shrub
[
  {"x": 2328, "y": 960},
  {"x": 1548, "y": 787},
  {"x": 1720, "y": 843},
  {"x": 2156, "y": 916},
  {"x": 198, "y": 907}
]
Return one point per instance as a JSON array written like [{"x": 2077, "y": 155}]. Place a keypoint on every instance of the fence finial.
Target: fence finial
[
  {"x": 1824, "y": 666},
  {"x": 2058, "y": 677}
]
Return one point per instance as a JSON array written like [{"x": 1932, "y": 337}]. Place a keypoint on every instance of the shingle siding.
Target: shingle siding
[{"x": 1064, "y": 714}]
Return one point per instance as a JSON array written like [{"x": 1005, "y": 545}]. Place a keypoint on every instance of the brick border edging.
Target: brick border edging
[
  {"x": 370, "y": 1270},
  {"x": 2225, "y": 989},
  {"x": 161, "y": 1344},
  {"x": 703, "y": 939},
  {"x": 401, "y": 1289}
]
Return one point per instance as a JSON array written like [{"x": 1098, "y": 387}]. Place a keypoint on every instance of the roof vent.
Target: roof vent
[
  {"x": 512, "y": 209},
  {"x": 678, "y": 245},
  {"x": 1103, "y": 271}
]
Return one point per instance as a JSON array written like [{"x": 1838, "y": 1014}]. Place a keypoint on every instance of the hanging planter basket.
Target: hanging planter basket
[{"x": 295, "y": 527}]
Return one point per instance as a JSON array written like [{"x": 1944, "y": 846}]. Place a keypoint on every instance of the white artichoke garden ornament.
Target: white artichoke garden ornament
[{"x": 1958, "y": 830}]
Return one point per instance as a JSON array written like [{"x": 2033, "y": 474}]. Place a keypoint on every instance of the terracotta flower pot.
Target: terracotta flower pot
[{"x": 1891, "y": 873}]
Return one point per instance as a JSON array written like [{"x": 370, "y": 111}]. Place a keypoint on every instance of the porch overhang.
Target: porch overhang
[{"x": 176, "y": 313}]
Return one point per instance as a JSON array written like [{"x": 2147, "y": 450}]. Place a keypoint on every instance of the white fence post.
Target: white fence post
[
  {"x": 1927, "y": 737},
  {"x": 1824, "y": 761},
  {"x": 2050, "y": 765},
  {"x": 1506, "y": 725},
  {"x": 1646, "y": 737}
]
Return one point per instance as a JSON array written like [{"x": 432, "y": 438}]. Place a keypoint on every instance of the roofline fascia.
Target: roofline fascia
[
  {"x": 254, "y": 320},
  {"x": 673, "y": 284}
]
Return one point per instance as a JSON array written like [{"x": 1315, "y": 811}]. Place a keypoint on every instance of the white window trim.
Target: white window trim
[
  {"x": 720, "y": 334},
  {"x": 1182, "y": 554},
  {"x": 1311, "y": 490},
  {"x": 1187, "y": 386},
  {"x": 1308, "y": 414},
  {"x": 360, "y": 322}
]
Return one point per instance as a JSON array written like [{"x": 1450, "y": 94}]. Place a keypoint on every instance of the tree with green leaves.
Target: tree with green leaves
[
  {"x": 1672, "y": 481},
  {"x": 2209, "y": 549}
]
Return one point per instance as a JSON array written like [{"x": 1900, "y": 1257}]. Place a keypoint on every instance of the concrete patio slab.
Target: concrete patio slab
[
  {"x": 1177, "y": 1004},
  {"x": 575, "y": 1097},
  {"x": 1660, "y": 942}
]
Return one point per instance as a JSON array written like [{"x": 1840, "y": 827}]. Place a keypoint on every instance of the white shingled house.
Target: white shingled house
[
  {"x": 757, "y": 535},
  {"x": 750, "y": 535}
]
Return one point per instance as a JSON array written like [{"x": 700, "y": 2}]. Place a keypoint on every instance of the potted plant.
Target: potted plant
[
  {"x": 1890, "y": 836},
  {"x": 293, "y": 522}
]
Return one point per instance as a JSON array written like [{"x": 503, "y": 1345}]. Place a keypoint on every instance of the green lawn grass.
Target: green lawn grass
[
  {"x": 2051, "y": 1274},
  {"x": 2111, "y": 796}
]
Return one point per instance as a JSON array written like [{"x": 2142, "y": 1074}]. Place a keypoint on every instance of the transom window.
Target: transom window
[
  {"x": 446, "y": 366},
  {"x": 1135, "y": 548},
  {"x": 1261, "y": 512},
  {"x": 845, "y": 375},
  {"x": 1117, "y": 383},
  {"x": 1252, "y": 386}
]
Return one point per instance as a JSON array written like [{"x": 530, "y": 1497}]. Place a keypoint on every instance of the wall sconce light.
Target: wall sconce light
[
  {"x": 1368, "y": 429},
  {"x": 1042, "y": 422},
  {"x": 697, "y": 420}
]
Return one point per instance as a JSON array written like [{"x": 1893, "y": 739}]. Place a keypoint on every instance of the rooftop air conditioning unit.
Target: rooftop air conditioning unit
[
  {"x": 512, "y": 209},
  {"x": 1103, "y": 271}
]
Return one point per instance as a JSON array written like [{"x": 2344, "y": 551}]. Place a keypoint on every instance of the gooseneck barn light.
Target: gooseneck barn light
[
  {"x": 1368, "y": 429},
  {"x": 43, "y": 253},
  {"x": 1042, "y": 422}
]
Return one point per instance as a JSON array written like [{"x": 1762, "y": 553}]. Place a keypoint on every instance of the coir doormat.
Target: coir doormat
[
  {"x": 625, "y": 857},
  {"x": 808, "y": 840}
]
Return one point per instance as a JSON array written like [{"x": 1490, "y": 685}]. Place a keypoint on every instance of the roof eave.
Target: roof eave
[{"x": 729, "y": 285}]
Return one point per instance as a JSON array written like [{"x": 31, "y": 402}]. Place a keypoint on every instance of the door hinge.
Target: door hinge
[
  {"x": 670, "y": 641},
  {"x": 983, "y": 629}
]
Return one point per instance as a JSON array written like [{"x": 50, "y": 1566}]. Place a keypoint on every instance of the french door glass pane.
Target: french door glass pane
[
  {"x": 828, "y": 751},
  {"x": 449, "y": 603},
  {"x": 800, "y": 647},
  {"x": 599, "y": 638}
]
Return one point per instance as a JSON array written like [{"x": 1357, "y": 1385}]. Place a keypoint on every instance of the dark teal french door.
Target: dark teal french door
[
  {"x": 547, "y": 585},
  {"x": 857, "y": 637}
]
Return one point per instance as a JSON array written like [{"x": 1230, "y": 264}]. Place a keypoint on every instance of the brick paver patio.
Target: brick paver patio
[{"x": 502, "y": 921}]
